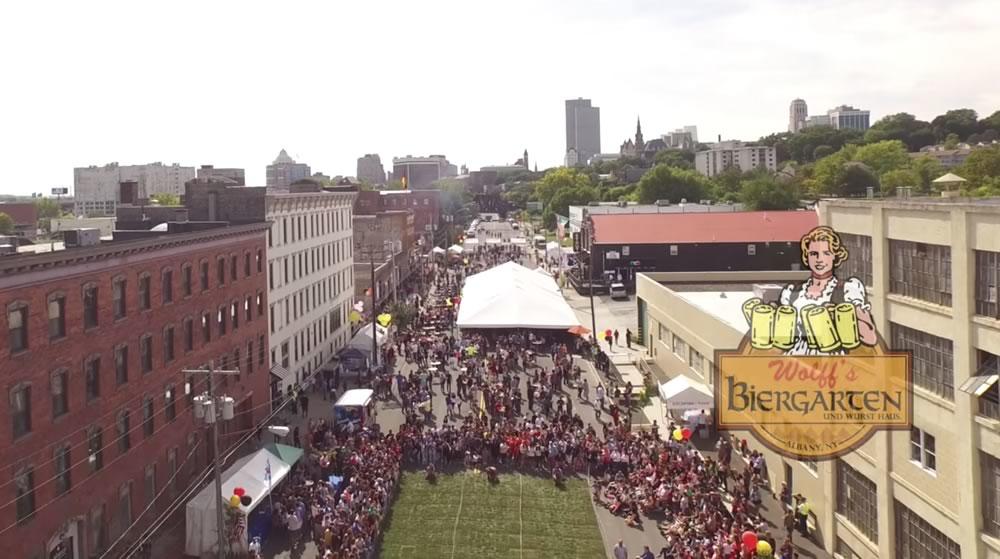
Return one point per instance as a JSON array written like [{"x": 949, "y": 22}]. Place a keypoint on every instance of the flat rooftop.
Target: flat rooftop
[
  {"x": 727, "y": 306},
  {"x": 990, "y": 204}
]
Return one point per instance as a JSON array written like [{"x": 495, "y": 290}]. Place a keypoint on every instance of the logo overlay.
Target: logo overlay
[{"x": 812, "y": 380}]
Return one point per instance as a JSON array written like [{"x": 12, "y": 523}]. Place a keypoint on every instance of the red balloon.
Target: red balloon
[
  {"x": 750, "y": 540},
  {"x": 686, "y": 433},
  {"x": 239, "y": 491}
]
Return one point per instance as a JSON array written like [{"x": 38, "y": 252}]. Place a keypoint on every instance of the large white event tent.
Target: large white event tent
[
  {"x": 512, "y": 296},
  {"x": 250, "y": 473}
]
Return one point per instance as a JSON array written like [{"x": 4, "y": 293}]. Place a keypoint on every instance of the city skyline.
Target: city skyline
[{"x": 98, "y": 102}]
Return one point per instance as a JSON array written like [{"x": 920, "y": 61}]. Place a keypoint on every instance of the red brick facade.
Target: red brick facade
[
  {"x": 92, "y": 510},
  {"x": 425, "y": 205}
]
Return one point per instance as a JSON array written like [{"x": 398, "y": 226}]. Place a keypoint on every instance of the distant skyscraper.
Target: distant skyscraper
[
  {"x": 798, "y": 113},
  {"x": 284, "y": 171},
  {"x": 583, "y": 129},
  {"x": 847, "y": 117},
  {"x": 693, "y": 130},
  {"x": 421, "y": 172},
  {"x": 370, "y": 169}
]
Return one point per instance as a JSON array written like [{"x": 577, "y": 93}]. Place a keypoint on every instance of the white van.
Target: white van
[
  {"x": 618, "y": 291},
  {"x": 355, "y": 407}
]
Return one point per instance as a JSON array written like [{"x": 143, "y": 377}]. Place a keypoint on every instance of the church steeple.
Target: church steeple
[{"x": 639, "y": 144}]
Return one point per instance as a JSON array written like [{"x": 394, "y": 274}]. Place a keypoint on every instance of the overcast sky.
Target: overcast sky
[{"x": 231, "y": 83}]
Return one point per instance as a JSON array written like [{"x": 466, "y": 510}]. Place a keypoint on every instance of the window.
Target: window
[
  {"x": 921, "y": 271},
  {"x": 17, "y": 324},
  {"x": 63, "y": 464},
  {"x": 95, "y": 448},
  {"x": 24, "y": 483},
  {"x": 90, "y": 306},
  {"x": 987, "y": 280},
  {"x": 118, "y": 287},
  {"x": 247, "y": 309},
  {"x": 167, "y": 280},
  {"x": 92, "y": 376},
  {"x": 697, "y": 361},
  {"x": 260, "y": 351},
  {"x": 985, "y": 384},
  {"x": 221, "y": 317},
  {"x": 673, "y": 250},
  {"x": 168, "y": 344},
  {"x": 206, "y": 328},
  {"x": 204, "y": 275},
  {"x": 145, "y": 302},
  {"x": 751, "y": 250},
  {"x": 20, "y": 409},
  {"x": 932, "y": 359},
  {"x": 124, "y": 431},
  {"x": 260, "y": 261},
  {"x": 186, "y": 279},
  {"x": 124, "y": 507},
  {"x": 680, "y": 347},
  {"x": 60, "y": 398},
  {"x": 990, "y": 471},
  {"x": 169, "y": 407},
  {"x": 857, "y": 500},
  {"x": 917, "y": 539},
  {"x": 57, "y": 316},
  {"x": 148, "y": 423},
  {"x": 234, "y": 314},
  {"x": 146, "y": 353},
  {"x": 260, "y": 304},
  {"x": 249, "y": 356},
  {"x": 923, "y": 451},
  {"x": 220, "y": 270},
  {"x": 149, "y": 482},
  {"x": 188, "y": 326},
  {"x": 859, "y": 262},
  {"x": 98, "y": 532},
  {"x": 233, "y": 263},
  {"x": 121, "y": 364},
  {"x": 246, "y": 264},
  {"x": 172, "y": 469}
]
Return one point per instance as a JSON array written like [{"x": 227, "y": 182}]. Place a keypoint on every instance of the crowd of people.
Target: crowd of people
[{"x": 503, "y": 409}]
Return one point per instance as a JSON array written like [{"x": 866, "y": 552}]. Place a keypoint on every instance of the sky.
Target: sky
[{"x": 232, "y": 83}]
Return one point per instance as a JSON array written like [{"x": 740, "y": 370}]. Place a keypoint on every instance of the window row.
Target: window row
[
  {"x": 301, "y": 227},
  {"x": 18, "y": 312},
  {"x": 303, "y": 301},
  {"x": 307, "y": 262},
  {"x": 921, "y": 271}
]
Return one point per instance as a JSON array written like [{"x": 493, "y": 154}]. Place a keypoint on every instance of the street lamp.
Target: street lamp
[{"x": 211, "y": 408}]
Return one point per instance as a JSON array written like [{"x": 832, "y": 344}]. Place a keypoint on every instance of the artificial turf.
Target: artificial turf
[{"x": 464, "y": 516}]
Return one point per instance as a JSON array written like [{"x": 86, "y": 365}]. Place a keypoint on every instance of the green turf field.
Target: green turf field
[{"x": 463, "y": 516}]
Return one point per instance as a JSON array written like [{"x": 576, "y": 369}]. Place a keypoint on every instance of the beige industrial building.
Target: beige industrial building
[{"x": 932, "y": 268}]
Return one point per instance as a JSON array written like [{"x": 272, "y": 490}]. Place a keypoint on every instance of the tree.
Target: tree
[
  {"x": 572, "y": 196},
  {"x": 558, "y": 179},
  {"x": 962, "y": 122},
  {"x": 822, "y": 151},
  {"x": 904, "y": 127},
  {"x": 884, "y": 156},
  {"x": 827, "y": 173},
  {"x": 899, "y": 177},
  {"x": 6, "y": 224},
  {"x": 726, "y": 186},
  {"x": 48, "y": 208},
  {"x": 767, "y": 193},
  {"x": 856, "y": 179},
  {"x": 952, "y": 141},
  {"x": 779, "y": 141},
  {"x": 680, "y": 158},
  {"x": 166, "y": 199},
  {"x": 802, "y": 144},
  {"x": 670, "y": 183},
  {"x": 926, "y": 169},
  {"x": 981, "y": 164}
]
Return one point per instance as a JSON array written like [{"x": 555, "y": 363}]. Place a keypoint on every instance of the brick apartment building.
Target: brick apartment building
[
  {"x": 98, "y": 411},
  {"x": 425, "y": 205}
]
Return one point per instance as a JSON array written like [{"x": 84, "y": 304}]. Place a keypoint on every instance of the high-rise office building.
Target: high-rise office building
[
  {"x": 583, "y": 129},
  {"x": 847, "y": 117},
  {"x": 421, "y": 172},
  {"x": 284, "y": 171},
  {"x": 370, "y": 169},
  {"x": 798, "y": 113},
  {"x": 98, "y": 190}
]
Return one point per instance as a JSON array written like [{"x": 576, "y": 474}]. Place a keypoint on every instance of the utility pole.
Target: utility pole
[{"x": 210, "y": 409}]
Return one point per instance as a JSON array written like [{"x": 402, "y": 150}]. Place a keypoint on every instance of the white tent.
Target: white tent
[
  {"x": 518, "y": 241},
  {"x": 363, "y": 339},
  {"x": 438, "y": 250},
  {"x": 249, "y": 472},
  {"x": 682, "y": 393},
  {"x": 512, "y": 296},
  {"x": 456, "y": 249}
]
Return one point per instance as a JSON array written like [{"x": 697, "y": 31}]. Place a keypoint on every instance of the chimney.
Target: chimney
[{"x": 720, "y": 138}]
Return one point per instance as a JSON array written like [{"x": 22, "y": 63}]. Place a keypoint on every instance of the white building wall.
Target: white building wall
[
  {"x": 95, "y": 189},
  {"x": 310, "y": 279}
]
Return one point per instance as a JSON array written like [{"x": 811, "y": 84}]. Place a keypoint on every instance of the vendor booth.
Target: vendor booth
[
  {"x": 356, "y": 407},
  {"x": 487, "y": 296},
  {"x": 683, "y": 394},
  {"x": 252, "y": 476}
]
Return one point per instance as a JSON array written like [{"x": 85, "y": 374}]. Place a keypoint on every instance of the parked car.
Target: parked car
[{"x": 618, "y": 291}]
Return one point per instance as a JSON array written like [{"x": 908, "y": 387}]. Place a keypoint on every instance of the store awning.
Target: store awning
[
  {"x": 287, "y": 454},
  {"x": 282, "y": 373},
  {"x": 682, "y": 393}
]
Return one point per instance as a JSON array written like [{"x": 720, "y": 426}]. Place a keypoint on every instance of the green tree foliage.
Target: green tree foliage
[
  {"x": 559, "y": 179},
  {"x": 765, "y": 192},
  {"x": 990, "y": 187},
  {"x": 680, "y": 158},
  {"x": 166, "y": 199},
  {"x": 884, "y": 156},
  {"x": 981, "y": 164},
  {"x": 904, "y": 127},
  {"x": 899, "y": 177},
  {"x": 802, "y": 145},
  {"x": 779, "y": 141},
  {"x": 855, "y": 179},
  {"x": 564, "y": 198},
  {"x": 822, "y": 151},
  {"x": 726, "y": 186},
  {"x": 6, "y": 224},
  {"x": 670, "y": 183},
  {"x": 926, "y": 169},
  {"x": 48, "y": 208},
  {"x": 962, "y": 122}
]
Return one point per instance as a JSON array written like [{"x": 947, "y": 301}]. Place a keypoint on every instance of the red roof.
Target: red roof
[
  {"x": 703, "y": 227},
  {"x": 23, "y": 213}
]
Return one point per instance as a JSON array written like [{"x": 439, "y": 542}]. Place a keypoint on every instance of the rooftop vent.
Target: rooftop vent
[{"x": 663, "y": 202}]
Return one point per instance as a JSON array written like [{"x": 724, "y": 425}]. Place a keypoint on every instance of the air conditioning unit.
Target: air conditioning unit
[{"x": 82, "y": 237}]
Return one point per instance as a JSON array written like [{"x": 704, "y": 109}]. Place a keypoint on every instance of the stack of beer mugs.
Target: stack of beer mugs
[{"x": 827, "y": 328}]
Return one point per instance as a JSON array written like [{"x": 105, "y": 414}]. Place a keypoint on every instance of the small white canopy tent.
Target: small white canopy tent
[
  {"x": 682, "y": 393},
  {"x": 250, "y": 473},
  {"x": 456, "y": 249},
  {"x": 438, "y": 250},
  {"x": 552, "y": 249},
  {"x": 487, "y": 296},
  {"x": 518, "y": 241},
  {"x": 363, "y": 339},
  {"x": 471, "y": 244}
]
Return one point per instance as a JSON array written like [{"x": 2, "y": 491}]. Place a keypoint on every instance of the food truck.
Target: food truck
[{"x": 356, "y": 407}]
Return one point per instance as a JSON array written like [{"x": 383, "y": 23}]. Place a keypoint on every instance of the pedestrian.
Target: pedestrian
[
  {"x": 620, "y": 551},
  {"x": 616, "y": 336},
  {"x": 628, "y": 338},
  {"x": 304, "y": 403},
  {"x": 789, "y": 522},
  {"x": 646, "y": 553},
  {"x": 295, "y": 437},
  {"x": 600, "y": 396}
]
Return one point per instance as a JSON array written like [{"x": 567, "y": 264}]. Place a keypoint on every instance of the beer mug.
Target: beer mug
[
  {"x": 762, "y": 327},
  {"x": 845, "y": 319},
  {"x": 820, "y": 323},
  {"x": 748, "y": 306},
  {"x": 806, "y": 327},
  {"x": 784, "y": 328}
]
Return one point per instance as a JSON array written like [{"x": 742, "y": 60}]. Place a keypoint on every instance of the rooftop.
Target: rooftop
[
  {"x": 727, "y": 306},
  {"x": 990, "y": 205},
  {"x": 686, "y": 228}
]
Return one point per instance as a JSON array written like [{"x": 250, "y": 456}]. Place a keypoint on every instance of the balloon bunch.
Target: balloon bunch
[
  {"x": 240, "y": 497},
  {"x": 681, "y": 434},
  {"x": 751, "y": 544}
]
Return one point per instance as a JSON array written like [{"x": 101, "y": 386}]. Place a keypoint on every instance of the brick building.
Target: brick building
[
  {"x": 425, "y": 205},
  {"x": 98, "y": 411}
]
